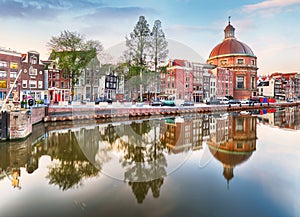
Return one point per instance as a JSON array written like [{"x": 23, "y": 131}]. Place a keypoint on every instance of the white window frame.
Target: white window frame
[
  {"x": 32, "y": 84},
  {"x": 40, "y": 84},
  {"x": 24, "y": 84}
]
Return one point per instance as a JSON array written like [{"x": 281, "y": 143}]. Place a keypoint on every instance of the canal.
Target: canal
[{"x": 221, "y": 164}]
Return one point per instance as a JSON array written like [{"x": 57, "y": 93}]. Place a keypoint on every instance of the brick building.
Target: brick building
[
  {"x": 224, "y": 83},
  {"x": 33, "y": 77},
  {"x": 179, "y": 79},
  {"x": 31, "y": 81},
  {"x": 10, "y": 64},
  {"x": 240, "y": 59},
  {"x": 58, "y": 82}
]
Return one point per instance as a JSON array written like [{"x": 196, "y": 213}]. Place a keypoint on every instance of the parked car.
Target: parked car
[
  {"x": 290, "y": 100},
  {"x": 156, "y": 102},
  {"x": 168, "y": 103},
  {"x": 223, "y": 100},
  {"x": 213, "y": 102},
  {"x": 234, "y": 101},
  {"x": 103, "y": 99},
  {"x": 245, "y": 101},
  {"x": 188, "y": 103}
]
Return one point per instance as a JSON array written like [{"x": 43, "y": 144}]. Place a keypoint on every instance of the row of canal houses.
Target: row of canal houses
[
  {"x": 280, "y": 85},
  {"x": 42, "y": 80},
  {"x": 185, "y": 80}
]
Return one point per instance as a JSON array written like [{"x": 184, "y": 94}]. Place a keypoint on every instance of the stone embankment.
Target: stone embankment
[{"x": 72, "y": 113}]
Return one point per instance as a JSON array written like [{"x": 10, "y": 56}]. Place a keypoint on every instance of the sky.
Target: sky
[{"x": 269, "y": 27}]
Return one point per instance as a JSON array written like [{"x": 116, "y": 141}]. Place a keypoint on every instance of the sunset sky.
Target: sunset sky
[{"x": 269, "y": 27}]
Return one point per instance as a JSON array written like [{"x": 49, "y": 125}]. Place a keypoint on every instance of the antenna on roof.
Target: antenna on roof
[{"x": 229, "y": 19}]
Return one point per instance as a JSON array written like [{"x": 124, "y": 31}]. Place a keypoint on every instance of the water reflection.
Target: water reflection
[
  {"x": 285, "y": 118},
  {"x": 69, "y": 165},
  {"x": 140, "y": 153},
  {"x": 232, "y": 141}
]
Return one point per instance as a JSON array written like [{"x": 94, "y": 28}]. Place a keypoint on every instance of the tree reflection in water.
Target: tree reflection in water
[
  {"x": 142, "y": 147},
  {"x": 70, "y": 166}
]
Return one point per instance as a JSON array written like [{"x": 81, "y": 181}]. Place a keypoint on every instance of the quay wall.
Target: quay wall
[
  {"x": 19, "y": 124},
  {"x": 37, "y": 114},
  {"x": 72, "y": 113}
]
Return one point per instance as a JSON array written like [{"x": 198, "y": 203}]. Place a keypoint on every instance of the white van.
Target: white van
[{"x": 223, "y": 100}]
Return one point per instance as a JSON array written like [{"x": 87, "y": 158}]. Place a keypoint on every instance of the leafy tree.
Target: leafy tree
[
  {"x": 72, "y": 53},
  {"x": 138, "y": 44},
  {"x": 159, "y": 45},
  {"x": 158, "y": 49}
]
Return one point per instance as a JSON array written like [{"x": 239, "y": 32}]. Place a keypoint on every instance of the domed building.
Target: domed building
[{"x": 240, "y": 59}]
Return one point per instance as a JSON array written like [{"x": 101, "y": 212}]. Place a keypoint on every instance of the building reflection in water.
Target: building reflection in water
[
  {"x": 184, "y": 133},
  {"x": 285, "y": 118},
  {"x": 140, "y": 149},
  {"x": 232, "y": 141}
]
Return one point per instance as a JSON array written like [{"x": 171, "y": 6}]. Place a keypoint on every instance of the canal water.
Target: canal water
[{"x": 222, "y": 164}]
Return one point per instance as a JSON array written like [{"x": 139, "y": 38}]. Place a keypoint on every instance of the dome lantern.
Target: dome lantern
[{"x": 229, "y": 30}]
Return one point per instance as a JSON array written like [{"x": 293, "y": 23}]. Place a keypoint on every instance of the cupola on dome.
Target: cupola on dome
[{"x": 230, "y": 45}]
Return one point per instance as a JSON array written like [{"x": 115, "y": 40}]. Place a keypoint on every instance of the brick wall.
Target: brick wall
[{"x": 38, "y": 114}]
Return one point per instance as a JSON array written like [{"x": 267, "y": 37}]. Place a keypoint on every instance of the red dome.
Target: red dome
[{"x": 231, "y": 46}]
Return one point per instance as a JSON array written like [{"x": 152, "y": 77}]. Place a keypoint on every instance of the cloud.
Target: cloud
[
  {"x": 42, "y": 9},
  {"x": 109, "y": 13},
  {"x": 274, "y": 5}
]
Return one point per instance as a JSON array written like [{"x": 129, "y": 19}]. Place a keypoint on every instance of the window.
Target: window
[
  {"x": 3, "y": 74},
  {"x": 252, "y": 62},
  {"x": 32, "y": 71},
  {"x": 239, "y": 145},
  {"x": 32, "y": 84},
  {"x": 11, "y": 84},
  {"x": 253, "y": 82},
  {"x": 240, "y": 61},
  {"x": 13, "y": 74},
  {"x": 3, "y": 64},
  {"x": 239, "y": 124},
  {"x": 24, "y": 83},
  {"x": 65, "y": 76},
  {"x": 3, "y": 84},
  {"x": 33, "y": 59},
  {"x": 240, "y": 82},
  {"x": 40, "y": 84},
  {"x": 223, "y": 62}
]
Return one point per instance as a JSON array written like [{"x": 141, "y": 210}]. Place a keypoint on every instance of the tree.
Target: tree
[
  {"x": 73, "y": 53},
  {"x": 159, "y": 45},
  {"x": 138, "y": 44},
  {"x": 158, "y": 50}
]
